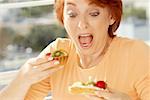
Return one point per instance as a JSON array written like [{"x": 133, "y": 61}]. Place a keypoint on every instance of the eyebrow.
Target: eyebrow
[
  {"x": 92, "y": 3},
  {"x": 70, "y": 3}
]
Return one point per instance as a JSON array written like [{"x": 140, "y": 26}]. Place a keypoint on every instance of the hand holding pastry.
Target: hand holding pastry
[
  {"x": 105, "y": 95},
  {"x": 97, "y": 90},
  {"x": 89, "y": 87},
  {"x": 33, "y": 71},
  {"x": 108, "y": 94},
  {"x": 37, "y": 69}
]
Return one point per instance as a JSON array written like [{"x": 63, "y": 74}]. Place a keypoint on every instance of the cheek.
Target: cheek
[
  {"x": 70, "y": 26},
  {"x": 100, "y": 28},
  {"x": 100, "y": 24},
  {"x": 70, "y": 29}
]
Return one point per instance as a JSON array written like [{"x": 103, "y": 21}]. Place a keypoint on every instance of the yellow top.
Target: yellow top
[{"x": 126, "y": 67}]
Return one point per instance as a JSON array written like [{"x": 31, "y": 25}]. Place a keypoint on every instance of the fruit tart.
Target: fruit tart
[
  {"x": 60, "y": 55},
  {"x": 87, "y": 87}
]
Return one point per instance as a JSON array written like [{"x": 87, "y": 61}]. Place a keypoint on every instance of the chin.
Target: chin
[{"x": 87, "y": 51}]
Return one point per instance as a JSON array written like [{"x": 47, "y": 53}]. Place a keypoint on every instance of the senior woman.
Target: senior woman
[{"x": 93, "y": 50}]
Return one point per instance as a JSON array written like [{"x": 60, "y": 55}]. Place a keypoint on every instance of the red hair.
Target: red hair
[{"x": 115, "y": 7}]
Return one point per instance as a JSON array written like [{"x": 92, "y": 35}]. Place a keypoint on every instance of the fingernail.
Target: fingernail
[
  {"x": 56, "y": 62},
  {"x": 50, "y": 58},
  {"x": 48, "y": 54}
]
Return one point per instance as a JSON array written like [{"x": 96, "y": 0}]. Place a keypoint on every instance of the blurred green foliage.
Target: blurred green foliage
[
  {"x": 6, "y": 37},
  {"x": 139, "y": 13},
  {"x": 35, "y": 12},
  {"x": 40, "y": 36}
]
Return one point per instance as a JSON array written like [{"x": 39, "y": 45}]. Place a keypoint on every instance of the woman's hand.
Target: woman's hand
[
  {"x": 111, "y": 95},
  {"x": 33, "y": 71},
  {"x": 37, "y": 69}
]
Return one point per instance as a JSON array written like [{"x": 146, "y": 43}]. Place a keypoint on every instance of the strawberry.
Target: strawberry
[
  {"x": 101, "y": 84},
  {"x": 48, "y": 54}
]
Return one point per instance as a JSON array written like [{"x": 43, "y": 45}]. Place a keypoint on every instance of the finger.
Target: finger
[
  {"x": 112, "y": 90},
  {"x": 104, "y": 94},
  {"x": 31, "y": 60},
  {"x": 94, "y": 97},
  {"x": 38, "y": 61},
  {"x": 29, "y": 63},
  {"x": 49, "y": 56},
  {"x": 48, "y": 65},
  {"x": 91, "y": 97}
]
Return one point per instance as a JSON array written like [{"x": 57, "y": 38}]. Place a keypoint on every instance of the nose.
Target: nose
[{"x": 83, "y": 24}]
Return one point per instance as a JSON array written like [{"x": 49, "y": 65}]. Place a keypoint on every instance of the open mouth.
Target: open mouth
[{"x": 85, "y": 40}]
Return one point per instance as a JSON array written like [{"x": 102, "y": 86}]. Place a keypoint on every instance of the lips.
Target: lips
[{"x": 85, "y": 40}]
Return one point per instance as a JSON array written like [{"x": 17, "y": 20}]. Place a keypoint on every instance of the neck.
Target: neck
[{"x": 88, "y": 61}]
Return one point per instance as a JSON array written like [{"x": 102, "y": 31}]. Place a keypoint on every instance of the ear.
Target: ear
[{"x": 112, "y": 20}]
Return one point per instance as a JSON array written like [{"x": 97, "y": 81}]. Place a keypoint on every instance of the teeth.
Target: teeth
[
  {"x": 85, "y": 45},
  {"x": 84, "y": 35}
]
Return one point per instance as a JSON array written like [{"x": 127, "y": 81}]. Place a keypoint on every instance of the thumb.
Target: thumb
[{"x": 104, "y": 94}]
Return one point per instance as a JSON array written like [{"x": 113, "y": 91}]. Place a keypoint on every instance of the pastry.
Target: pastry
[
  {"x": 88, "y": 87},
  {"x": 60, "y": 55}
]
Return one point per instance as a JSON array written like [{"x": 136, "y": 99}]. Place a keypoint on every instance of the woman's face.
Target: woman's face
[{"x": 87, "y": 25}]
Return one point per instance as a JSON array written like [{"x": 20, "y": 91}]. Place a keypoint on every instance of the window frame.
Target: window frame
[{"x": 26, "y": 4}]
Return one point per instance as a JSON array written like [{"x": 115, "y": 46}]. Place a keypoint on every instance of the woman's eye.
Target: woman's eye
[
  {"x": 94, "y": 14},
  {"x": 72, "y": 14}
]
